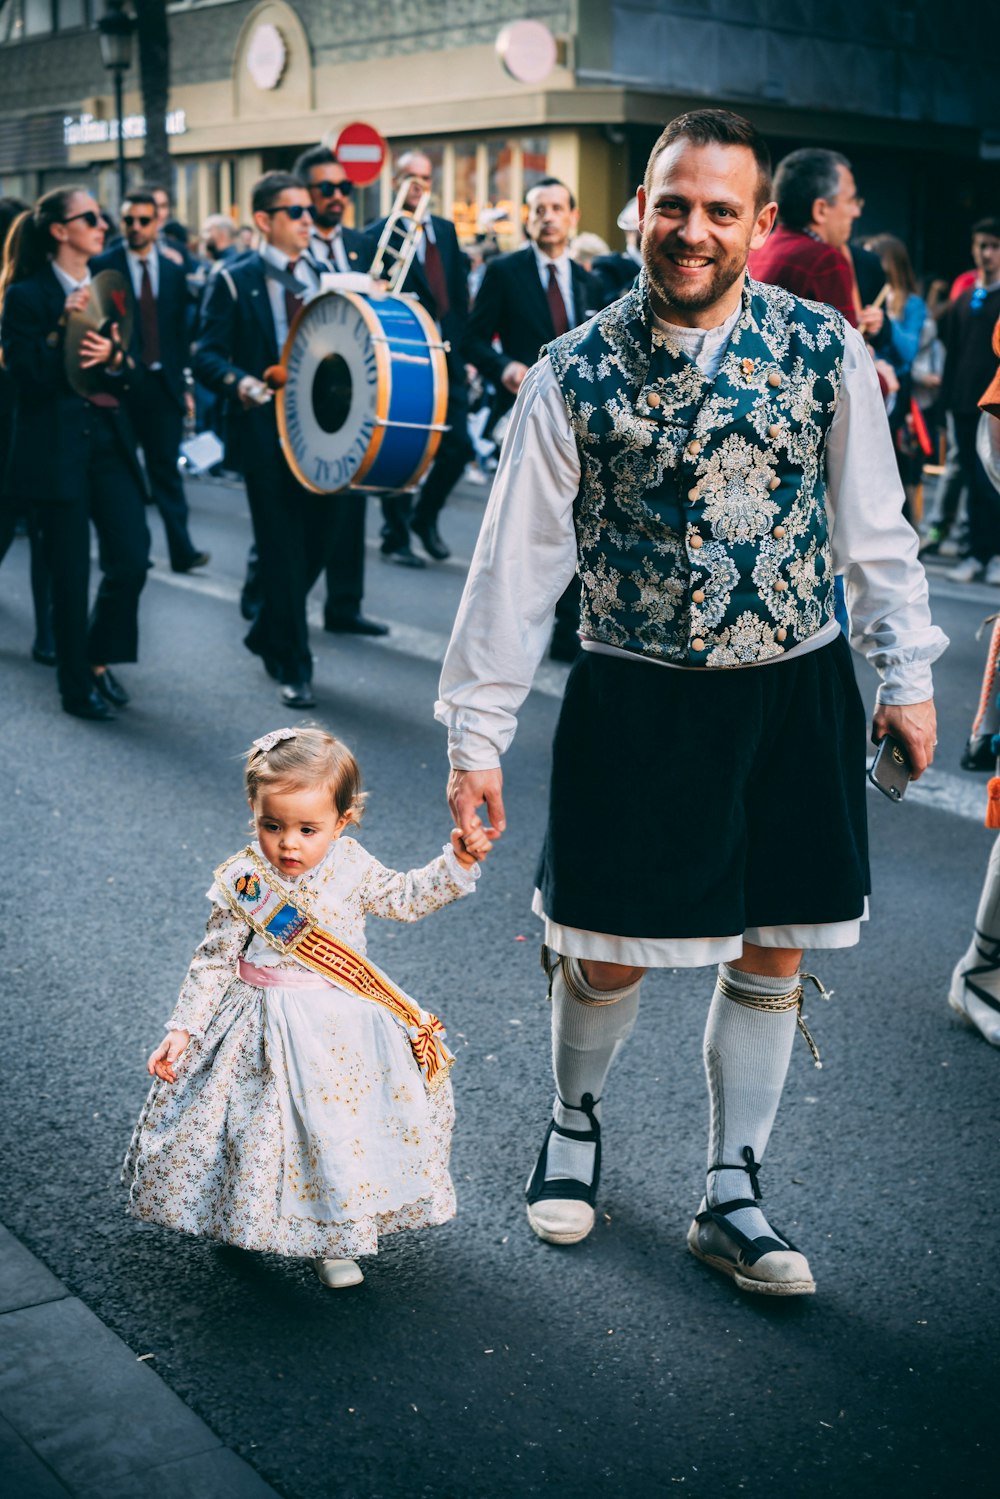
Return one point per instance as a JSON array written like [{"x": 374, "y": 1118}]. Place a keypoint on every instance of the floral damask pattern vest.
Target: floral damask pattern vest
[{"x": 701, "y": 518}]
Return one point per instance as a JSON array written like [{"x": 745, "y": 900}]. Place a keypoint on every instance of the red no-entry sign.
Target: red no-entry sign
[{"x": 361, "y": 151}]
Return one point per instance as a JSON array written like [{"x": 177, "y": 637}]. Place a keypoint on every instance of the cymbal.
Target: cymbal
[{"x": 111, "y": 301}]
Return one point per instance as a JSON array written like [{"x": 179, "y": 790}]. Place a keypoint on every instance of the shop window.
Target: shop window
[
  {"x": 465, "y": 206},
  {"x": 500, "y": 183},
  {"x": 37, "y": 17},
  {"x": 535, "y": 152},
  {"x": 71, "y": 15}
]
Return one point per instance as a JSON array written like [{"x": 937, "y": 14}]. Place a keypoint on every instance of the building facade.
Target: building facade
[{"x": 904, "y": 87}]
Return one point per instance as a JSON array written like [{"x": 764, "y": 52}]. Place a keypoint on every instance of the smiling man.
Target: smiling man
[{"x": 705, "y": 454}]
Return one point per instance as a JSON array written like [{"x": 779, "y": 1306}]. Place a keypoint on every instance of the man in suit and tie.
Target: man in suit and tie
[
  {"x": 334, "y": 247},
  {"x": 527, "y": 298},
  {"x": 438, "y": 275},
  {"x": 160, "y": 334},
  {"x": 244, "y": 322}
]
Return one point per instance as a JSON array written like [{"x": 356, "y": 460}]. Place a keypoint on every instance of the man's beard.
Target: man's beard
[
  {"x": 724, "y": 273},
  {"x": 327, "y": 220}
]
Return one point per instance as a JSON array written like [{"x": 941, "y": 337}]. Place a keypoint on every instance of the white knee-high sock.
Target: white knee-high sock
[
  {"x": 746, "y": 1058},
  {"x": 589, "y": 1028}
]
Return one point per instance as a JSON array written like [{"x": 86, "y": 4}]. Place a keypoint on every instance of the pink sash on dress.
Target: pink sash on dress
[{"x": 280, "y": 978}]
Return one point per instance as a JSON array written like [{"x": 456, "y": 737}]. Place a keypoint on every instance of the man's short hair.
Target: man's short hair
[
  {"x": 316, "y": 156},
  {"x": 803, "y": 177},
  {"x": 158, "y": 187},
  {"x": 551, "y": 182},
  {"x": 140, "y": 195},
  {"x": 716, "y": 127},
  {"x": 269, "y": 188},
  {"x": 987, "y": 226}
]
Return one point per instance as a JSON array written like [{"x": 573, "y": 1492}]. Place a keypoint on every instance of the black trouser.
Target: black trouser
[
  {"x": 984, "y": 502},
  {"x": 454, "y": 452},
  {"x": 158, "y": 423},
  {"x": 292, "y": 529},
  {"x": 41, "y": 585},
  {"x": 345, "y": 555},
  {"x": 110, "y": 496}
]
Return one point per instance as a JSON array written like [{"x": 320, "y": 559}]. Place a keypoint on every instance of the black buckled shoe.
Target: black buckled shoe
[
  {"x": 768, "y": 1265},
  {"x": 110, "y": 688},
  {"x": 561, "y": 1210}
]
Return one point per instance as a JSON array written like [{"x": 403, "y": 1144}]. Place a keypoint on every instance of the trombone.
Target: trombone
[{"x": 398, "y": 241}]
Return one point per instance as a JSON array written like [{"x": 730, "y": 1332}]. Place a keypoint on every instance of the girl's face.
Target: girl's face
[{"x": 296, "y": 827}]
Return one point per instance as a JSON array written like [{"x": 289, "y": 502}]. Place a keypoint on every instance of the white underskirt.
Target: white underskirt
[{"x": 690, "y": 952}]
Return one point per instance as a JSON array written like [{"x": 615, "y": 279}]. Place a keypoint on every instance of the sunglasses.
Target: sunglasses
[
  {"x": 293, "y": 210},
  {"x": 327, "y": 189},
  {"x": 89, "y": 217},
  {"x": 131, "y": 219}
]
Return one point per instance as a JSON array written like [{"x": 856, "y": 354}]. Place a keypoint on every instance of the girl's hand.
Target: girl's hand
[
  {"x": 164, "y": 1059},
  {"x": 473, "y": 848}
]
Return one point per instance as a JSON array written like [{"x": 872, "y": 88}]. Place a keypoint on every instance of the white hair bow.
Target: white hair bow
[{"x": 268, "y": 741}]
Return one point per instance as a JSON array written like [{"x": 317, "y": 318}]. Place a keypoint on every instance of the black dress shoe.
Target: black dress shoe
[
  {"x": 93, "y": 707},
  {"x": 44, "y": 653},
  {"x": 354, "y": 624},
  {"x": 297, "y": 695},
  {"x": 249, "y": 605},
  {"x": 110, "y": 688},
  {"x": 979, "y": 754},
  {"x": 430, "y": 538},
  {"x": 197, "y": 559},
  {"x": 403, "y": 556}
]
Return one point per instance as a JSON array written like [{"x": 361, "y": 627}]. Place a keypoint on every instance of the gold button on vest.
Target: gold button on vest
[
  {"x": 697, "y": 644},
  {"x": 698, "y": 597},
  {"x": 694, "y": 447},
  {"x": 778, "y": 532},
  {"x": 696, "y": 541},
  {"x": 780, "y": 586},
  {"x": 781, "y": 634},
  {"x": 652, "y": 398},
  {"x": 774, "y": 484},
  {"x": 693, "y": 493},
  {"x": 774, "y": 379},
  {"x": 774, "y": 430}
]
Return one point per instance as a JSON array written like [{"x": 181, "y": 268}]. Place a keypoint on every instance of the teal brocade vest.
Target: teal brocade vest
[{"x": 701, "y": 519}]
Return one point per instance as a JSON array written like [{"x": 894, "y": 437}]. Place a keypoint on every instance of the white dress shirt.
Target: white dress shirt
[
  {"x": 66, "y": 280},
  {"x": 135, "y": 264},
  {"x": 303, "y": 272},
  {"x": 564, "y": 276},
  {"x": 329, "y": 251}
]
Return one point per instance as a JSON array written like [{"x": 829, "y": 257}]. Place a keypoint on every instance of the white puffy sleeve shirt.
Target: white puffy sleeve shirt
[{"x": 526, "y": 555}]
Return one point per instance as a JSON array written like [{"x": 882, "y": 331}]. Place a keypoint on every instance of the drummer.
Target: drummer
[
  {"x": 243, "y": 326},
  {"x": 73, "y": 455}
]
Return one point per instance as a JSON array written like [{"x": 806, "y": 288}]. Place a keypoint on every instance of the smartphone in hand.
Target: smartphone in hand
[{"x": 891, "y": 770}]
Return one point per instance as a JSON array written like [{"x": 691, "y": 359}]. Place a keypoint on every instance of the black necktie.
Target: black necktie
[
  {"x": 149, "y": 323},
  {"x": 292, "y": 298}
]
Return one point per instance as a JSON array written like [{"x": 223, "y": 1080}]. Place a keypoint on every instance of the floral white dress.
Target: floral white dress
[{"x": 299, "y": 1122}]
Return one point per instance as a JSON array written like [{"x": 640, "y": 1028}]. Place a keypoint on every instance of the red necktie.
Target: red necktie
[
  {"x": 557, "y": 307},
  {"x": 292, "y": 298},
  {"x": 149, "y": 322},
  {"x": 434, "y": 271}
]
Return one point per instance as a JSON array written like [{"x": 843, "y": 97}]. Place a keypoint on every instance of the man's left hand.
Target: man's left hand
[{"x": 915, "y": 726}]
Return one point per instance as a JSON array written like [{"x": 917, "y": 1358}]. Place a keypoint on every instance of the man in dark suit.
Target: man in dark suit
[
  {"x": 438, "y": 275},
  {"x": 244, "y": 322},
  {"x": 160, "y": 346},
  {"x": 618, "y": 272},
  {"x": 527, "y": 298},
  {"x": 333, "y": 247}
]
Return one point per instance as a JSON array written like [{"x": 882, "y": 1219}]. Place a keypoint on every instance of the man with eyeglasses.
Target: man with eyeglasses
[
  {"x": 808, "y": 251},
  {"x": 966, "y": 330},
  {"x": 160, "y": 347},
  {"x": 333, "y": 247},
  {"x": 243, "y": 325},
  {"x": 438, "y": 275}
]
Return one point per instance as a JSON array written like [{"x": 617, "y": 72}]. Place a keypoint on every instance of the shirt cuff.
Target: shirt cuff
[
  {"x": 465, "y": 879},
  {"x": 468, "y": 750},
  {"x": 905, "y": 684}
]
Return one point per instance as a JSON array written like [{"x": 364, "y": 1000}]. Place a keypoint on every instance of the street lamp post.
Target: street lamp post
[{"x": 115, "y": 31}]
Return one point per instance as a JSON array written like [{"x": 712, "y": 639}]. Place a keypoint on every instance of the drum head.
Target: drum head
[{"x": 328, "y": 407}]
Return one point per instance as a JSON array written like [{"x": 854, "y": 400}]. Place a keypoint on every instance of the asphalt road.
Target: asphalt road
[{"x": 476, "y": 1361}]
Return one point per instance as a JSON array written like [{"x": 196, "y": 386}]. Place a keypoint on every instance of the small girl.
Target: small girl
[{"x": 302, "y": 1104}]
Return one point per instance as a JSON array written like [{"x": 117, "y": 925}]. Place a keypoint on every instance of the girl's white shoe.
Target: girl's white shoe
[{"x": 337, "y": 1273}]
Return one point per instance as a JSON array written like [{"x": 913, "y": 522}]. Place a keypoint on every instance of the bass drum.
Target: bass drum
[{"x": 363, "y": 401}]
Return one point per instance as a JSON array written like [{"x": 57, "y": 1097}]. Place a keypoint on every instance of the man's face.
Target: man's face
[
  {"x": 699, "y": 223},
  {"x": 139, "y": 224},
  {"x": 986, "y": 255},
  {"x": 283, "y": 227},
  {"x": 329, "y": 194},
  {"x": 551, "y": 220},
  {"x": 421, "y": 170},
  {"x": 835, "y": 217},
  {"x": 162, "y": 206}
]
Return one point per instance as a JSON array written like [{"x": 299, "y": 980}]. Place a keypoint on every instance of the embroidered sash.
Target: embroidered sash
[{"x": 254, "y": 895}]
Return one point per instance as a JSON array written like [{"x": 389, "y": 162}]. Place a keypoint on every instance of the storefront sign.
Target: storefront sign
[
  {"x": 87, "y": 130},
  {"x": 266, "y": 56}
]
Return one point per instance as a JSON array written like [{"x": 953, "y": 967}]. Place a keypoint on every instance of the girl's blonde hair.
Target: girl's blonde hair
[{"x": 310, "y": 757}]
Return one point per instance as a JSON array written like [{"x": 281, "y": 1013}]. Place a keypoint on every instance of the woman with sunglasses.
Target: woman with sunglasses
[{"x": 75, "y": 456}]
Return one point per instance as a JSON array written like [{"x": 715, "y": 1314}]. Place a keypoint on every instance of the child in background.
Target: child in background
[{"x": 302, "y": 1104}]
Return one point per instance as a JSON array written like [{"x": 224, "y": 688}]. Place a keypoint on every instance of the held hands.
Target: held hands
[
  {"x": 467, "y": 791},
  {"x": 470, "y": 850},
  {"x": 166, "y": 1056},
  {"x": 915, "y": 726}
]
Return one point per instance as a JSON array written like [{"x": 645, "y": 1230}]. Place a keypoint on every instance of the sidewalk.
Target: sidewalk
[{"x": 81, "y": 1416}]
